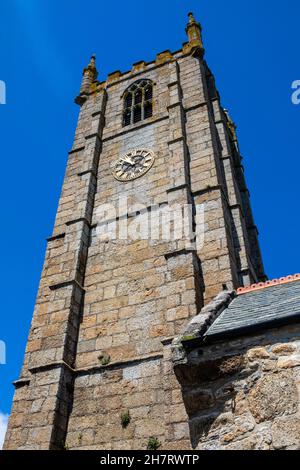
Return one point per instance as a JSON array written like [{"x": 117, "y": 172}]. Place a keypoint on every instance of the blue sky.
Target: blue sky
[{"x": 252, "y": 48}]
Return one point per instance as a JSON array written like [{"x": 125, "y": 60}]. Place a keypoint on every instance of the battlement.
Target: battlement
[{"x": 142, "y": 66}]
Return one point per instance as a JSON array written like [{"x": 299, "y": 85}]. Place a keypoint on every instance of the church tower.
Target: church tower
[{"x": 149, "y": 142}]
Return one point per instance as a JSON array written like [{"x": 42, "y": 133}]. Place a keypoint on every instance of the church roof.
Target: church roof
[{"x": 260, "y": 306}]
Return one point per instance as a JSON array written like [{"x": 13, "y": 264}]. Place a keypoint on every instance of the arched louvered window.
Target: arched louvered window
[{"x": 138, "y": 102}]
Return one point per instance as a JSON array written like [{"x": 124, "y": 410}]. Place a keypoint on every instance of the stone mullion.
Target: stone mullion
[{"x": 143, "y": 104}]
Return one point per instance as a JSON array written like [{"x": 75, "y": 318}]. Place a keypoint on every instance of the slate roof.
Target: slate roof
[{"x": 257, "y": 309}]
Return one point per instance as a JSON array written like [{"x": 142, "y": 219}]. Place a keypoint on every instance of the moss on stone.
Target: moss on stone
[
  {"x": 104, "y": 359},
  {"x": 125, "y": 419},
  {"x": 188, "y": 337},
  {"x": 153, "y": 443}
]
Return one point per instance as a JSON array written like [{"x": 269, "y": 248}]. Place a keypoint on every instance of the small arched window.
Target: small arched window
[{"x": 138, "y": 102}]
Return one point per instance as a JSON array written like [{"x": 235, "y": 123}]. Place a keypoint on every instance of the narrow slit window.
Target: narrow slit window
[
  {"x": 128, "y": 100},
  {"x": 138, "y": 102},
  {"x": 127, "y": 117},
  {"x": 138, "y": 96},
  {"x": 148, "y": 93},
  {"x": 148, "y": 110},
  {"x": 137, "y": 114}
]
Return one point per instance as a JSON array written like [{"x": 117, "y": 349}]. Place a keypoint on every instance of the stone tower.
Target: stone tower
[{"x": 108, "y": 308}]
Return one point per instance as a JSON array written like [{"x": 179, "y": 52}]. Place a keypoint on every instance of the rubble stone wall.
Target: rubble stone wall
[{"x": 243, "y": 394}]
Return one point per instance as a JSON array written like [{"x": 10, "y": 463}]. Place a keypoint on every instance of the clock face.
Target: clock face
[{"x": 133, "y": 165}]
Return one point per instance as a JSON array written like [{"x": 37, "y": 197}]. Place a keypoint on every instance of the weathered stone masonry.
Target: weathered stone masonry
[
  {"x": 107, "y": 311},
  {"x": 238, "y": 363}
]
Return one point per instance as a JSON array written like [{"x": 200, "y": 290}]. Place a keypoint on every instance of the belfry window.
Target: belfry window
[{"x": 138, "y": 102}]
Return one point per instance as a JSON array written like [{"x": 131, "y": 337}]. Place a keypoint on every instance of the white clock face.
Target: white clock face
[{"x": 133, "y": 164}]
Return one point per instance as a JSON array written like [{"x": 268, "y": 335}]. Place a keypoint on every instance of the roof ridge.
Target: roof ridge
[{"x": 264, "y": 285}]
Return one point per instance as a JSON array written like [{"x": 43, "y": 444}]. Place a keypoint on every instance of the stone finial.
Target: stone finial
[
  {"x": 91, "y": 68},
  {"x": 191, "y": 18},
  {"x": 193, "y": 31},
  {"x": 90, "y": 75},
  {"x": 231, "y": 125}
]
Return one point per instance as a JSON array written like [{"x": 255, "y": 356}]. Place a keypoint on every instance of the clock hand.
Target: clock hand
[
  {"x": 127, "y": 160},
  {"x": 132, "y": 162}
]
